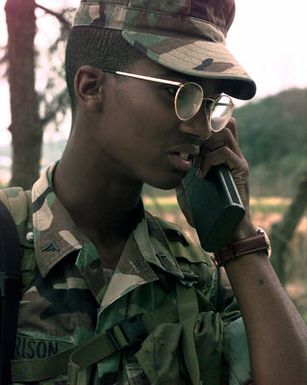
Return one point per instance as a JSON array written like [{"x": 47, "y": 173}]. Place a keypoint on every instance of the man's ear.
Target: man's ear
[{"x": 89, "y": 87}]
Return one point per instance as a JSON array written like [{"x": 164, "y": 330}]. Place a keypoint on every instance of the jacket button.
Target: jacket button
[{"x": 30, "y": 237}]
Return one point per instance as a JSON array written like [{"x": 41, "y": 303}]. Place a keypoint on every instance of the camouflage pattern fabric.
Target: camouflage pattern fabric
[
  {"x": 187, "y": 36},
  {"x": 72, "y": 298}
]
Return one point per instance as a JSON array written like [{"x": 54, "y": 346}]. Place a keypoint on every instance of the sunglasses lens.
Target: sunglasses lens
[
  {"x": 188, "y": 100},
  {"x": 221, "y": 112}
]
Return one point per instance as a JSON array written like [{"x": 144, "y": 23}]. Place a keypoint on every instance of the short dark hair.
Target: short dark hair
[{"x": 100, "y": 48}]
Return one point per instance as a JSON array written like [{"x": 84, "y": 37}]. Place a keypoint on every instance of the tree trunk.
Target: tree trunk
[
  {"x": 282, "y": 232},
  {"x": 25, "y": 125}
]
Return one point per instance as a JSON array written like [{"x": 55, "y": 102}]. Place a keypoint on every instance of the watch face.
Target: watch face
[{"x": 267, "y": 240}]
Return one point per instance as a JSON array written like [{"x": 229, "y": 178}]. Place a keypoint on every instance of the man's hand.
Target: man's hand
[{"x": 223, "y": 148}]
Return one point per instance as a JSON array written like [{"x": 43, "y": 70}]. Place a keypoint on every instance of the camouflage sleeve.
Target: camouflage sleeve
[
  {"x": 235, "y": 343},
  {"x": 237, "y": 353}
]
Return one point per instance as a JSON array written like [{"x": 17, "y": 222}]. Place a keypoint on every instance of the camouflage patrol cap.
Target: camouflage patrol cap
[{"x": 187, "y": 36}]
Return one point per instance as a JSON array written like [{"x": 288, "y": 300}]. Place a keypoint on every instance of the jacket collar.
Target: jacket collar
[{"x": 55, "y": 234}]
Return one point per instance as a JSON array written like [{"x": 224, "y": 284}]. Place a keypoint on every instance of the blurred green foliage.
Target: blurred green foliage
[{"x": 273, "y": 138}]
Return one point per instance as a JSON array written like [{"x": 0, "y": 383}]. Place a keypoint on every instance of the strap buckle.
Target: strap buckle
[{"x": 128, "y": 332}]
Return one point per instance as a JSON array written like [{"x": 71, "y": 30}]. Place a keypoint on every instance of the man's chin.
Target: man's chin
[{"x": 169, "y": 183}]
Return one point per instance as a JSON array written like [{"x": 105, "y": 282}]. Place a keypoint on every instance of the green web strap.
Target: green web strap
[
  {"x": 188, "y": 312},
  {"x": 93, "y": 350}
]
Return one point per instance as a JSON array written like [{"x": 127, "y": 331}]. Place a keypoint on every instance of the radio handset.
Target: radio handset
[{"x": 215, "y": 206}]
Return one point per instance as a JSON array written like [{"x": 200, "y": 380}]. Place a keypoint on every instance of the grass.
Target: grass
[
  {"x": 266, "y": 205},
  {"x": 269, "y": 205}
]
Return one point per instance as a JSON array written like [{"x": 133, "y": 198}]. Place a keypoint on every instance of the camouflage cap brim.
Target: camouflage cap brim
[
  {"x": 187, "y": 36},
  {"x": 198, "y": 58}
]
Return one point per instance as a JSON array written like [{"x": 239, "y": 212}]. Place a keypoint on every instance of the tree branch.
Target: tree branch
[{"x": 65, "y": 23}]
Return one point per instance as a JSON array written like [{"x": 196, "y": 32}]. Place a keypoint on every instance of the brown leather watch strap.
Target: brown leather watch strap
[{"x": 234, "y": 250}]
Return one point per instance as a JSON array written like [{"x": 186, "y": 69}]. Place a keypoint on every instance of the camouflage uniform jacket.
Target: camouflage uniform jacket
[{"x": 70, "y": 299}]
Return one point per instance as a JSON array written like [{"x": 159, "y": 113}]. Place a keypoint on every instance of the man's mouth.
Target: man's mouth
[
  {"x": 185, "y": 155},
  {"x": 184, "y": 159}
]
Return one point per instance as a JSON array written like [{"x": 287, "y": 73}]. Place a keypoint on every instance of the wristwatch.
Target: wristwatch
[{"x": 259, "y": 242}]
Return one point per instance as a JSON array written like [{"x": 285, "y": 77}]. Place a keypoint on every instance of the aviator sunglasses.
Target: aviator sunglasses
[{"x": 189, "y": 98}]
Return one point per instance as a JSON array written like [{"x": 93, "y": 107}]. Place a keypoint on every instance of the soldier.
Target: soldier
[{"x": 113, "y": 295}]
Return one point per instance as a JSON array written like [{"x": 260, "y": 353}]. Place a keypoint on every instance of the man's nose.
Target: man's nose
[{"x": 199, "y": 125}]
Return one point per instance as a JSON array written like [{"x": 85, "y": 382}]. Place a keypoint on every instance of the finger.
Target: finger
[
  {"x": 232, "y": 126},
  {"x": 222, "y": 155},
  {"x": 221, "y": 139}
]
